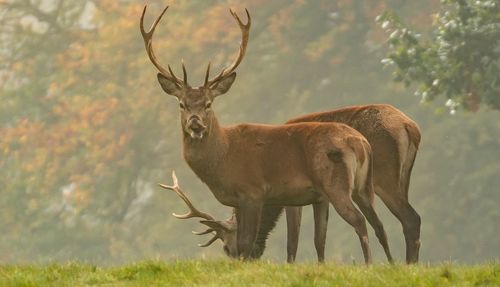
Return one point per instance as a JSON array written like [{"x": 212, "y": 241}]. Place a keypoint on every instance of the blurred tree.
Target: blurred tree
[{"x": 460, "y": 60}]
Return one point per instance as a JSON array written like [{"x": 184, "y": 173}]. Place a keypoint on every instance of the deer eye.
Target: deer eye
[
  {"x": 208, "y": 105},
  {"x": 182, "y": 106}
]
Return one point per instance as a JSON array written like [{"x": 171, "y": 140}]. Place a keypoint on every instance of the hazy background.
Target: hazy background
[{"x": 86, "y": 131}]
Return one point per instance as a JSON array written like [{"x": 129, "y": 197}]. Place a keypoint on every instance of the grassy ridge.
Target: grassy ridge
[{"x": 234, "y": 273}]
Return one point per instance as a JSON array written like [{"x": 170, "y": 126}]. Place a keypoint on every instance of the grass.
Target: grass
[{"x": 235, "y": 273}]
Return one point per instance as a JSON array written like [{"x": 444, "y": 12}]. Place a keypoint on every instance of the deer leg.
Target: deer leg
[
  {"x": 366, "y": 205},
  {"x": 320, "y": 227},
  {"x": 353, "y": 216},
  {"x": 339, "y": 193},
  {"x": 248, "y": 218},
  {"x": 409, "y": 218},
  {"x": 334, "y": 179},
  {"x": 293, "y": 218}
]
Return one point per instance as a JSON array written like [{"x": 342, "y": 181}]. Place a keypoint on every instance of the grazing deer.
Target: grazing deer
[
  {"x": 249, "y": 166},
  {"x": 224, "y": 230}
]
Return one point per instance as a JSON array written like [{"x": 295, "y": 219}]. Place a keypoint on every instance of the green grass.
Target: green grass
[{"x": 235, "y": 273}]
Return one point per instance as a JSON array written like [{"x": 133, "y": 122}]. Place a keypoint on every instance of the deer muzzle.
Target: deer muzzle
[{"x": 195, "y": 127}]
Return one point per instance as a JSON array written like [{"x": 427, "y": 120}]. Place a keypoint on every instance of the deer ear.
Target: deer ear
[
  {"x": 222, "y": 86},
  {"x": 169, "y": 86}
]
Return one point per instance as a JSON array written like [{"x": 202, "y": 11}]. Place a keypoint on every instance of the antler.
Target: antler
[
  {"x": 245, "y": 33},
  {"x": 148, "y": 43},
  {"x": 212, "y": 240},
  {"x": 193, "y": 212}
]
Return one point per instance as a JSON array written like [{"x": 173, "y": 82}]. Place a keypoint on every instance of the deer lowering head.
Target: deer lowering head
[
  {"x": 195, "y": 102},
  {"x": 225, "y": 230}
]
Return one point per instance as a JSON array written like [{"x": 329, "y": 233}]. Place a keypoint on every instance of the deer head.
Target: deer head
[
  {"x": 225, "y": 230},
  {"x": 195, "y": 102}
]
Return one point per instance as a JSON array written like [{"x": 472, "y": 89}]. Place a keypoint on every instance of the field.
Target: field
[{"x": 234, "y": 273}]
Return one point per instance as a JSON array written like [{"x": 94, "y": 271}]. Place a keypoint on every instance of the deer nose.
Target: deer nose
[
  {"x": 195, "y": 126},
  {"x": 195, "y": 123},
  {"x": 194, "y": 118}
]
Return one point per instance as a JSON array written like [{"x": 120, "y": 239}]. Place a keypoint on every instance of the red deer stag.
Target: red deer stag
[
  {"x": 224, "y": 230},
  {"x": 248, "y": 166}
]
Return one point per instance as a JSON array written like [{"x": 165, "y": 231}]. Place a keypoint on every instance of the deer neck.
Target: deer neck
[{"x": 205, "y": 156}]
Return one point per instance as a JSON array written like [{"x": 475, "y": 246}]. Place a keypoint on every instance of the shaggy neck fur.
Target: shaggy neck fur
[{"x": 205, "y": 155}]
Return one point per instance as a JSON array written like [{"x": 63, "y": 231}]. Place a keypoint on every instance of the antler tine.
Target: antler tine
[
  {"x": 209, "y": 242},
  {"x": 148, "y": 43},
  {"x": 245, "y": 33},
  {"x": 209, "y": 230},
  {"x": 184, "y": 72},
  {"x": 193, "y": 212},
  {"x": 207, "y": 75},
  {"x": 240, "y": 23}
]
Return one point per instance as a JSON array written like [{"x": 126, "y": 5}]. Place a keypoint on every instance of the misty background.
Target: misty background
[{"x": 86, "y": 132}]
